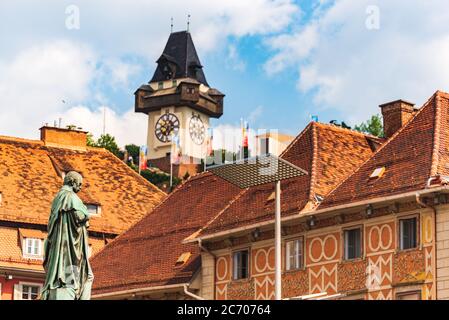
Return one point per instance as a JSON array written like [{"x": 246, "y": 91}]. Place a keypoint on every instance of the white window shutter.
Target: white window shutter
[{"x": 17, "y": 292}]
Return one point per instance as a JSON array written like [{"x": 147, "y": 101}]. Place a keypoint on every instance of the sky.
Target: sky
[{"x": 277, "y": 61}]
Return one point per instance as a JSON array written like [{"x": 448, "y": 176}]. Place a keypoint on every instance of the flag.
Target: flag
[
  {"x": 176, "y": 152},
  {"x": 210, "y": 139},
  {"x": 314, "y": 118},
  {"x": 245, "y": 135},
  {"x": 143, "y": 158}
]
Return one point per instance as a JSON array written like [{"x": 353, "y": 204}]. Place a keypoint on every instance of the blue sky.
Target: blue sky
[{"x": 278, "y": 61}]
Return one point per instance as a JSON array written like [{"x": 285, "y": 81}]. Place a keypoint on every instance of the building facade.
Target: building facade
[{"x": 380, "y": 234}]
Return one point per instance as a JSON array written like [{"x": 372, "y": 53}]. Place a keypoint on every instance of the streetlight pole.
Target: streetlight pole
[{"x": 277, "y": 245}]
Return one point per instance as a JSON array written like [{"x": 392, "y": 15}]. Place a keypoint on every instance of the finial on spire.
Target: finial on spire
[
  {"x": 188, "y": 22},
  {"x": 171, "y": 25}
]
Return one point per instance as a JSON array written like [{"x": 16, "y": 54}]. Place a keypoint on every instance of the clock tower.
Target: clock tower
[{"x": 178, "y": 101}]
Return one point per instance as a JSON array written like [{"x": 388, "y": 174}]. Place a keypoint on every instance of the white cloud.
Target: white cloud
[
  {"x": 129, "y": 127},
  {"x": 140, "y": 27},
  {"x": 234, "y": 61},
  {"x": 353, "y": 69},
  {"x": 43, "y": 83},
  {"x": 38, "y": 70}
]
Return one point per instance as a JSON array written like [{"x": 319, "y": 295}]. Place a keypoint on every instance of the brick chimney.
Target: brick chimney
[
  {"x": 396, "y": 114},
  {"x": 64, "y": 138}
]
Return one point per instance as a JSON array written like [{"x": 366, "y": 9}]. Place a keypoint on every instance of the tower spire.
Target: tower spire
[{"x": 171, "y": 25}]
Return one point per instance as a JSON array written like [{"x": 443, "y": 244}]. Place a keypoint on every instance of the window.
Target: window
[
  {"x": 264, "y": 145},
  {"x": 93, "y": 209},
  {"x": 411, "y": 295},
  {"x": 294, "y": 254},
  {"x": 32, "y": 248},
  {"x": 174, "y": 83},
  {"x": 353, "y": 243},
  {"x": 241, "y": 264},
  {"x": 407, "y": 233},
  {"x": 30, "y": 292},
  {"x": 160, "y": 85}
]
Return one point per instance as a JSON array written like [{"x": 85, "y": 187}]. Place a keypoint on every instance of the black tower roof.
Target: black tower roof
[{"x": 180, "y": 54}]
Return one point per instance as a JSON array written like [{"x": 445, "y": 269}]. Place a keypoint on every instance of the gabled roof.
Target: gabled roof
[
  {"x": 31, "y": 175},
  {"x": 327, "y": 152},
  {"x": 415, "y": 153},
  {"x": 146, "y": 255},
  {"x": 181, "y": 51}
]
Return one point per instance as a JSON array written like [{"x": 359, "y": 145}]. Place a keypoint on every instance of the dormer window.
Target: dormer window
[
  {"x": 32, "y": 248},
  {"x": 94, "y": 209}
]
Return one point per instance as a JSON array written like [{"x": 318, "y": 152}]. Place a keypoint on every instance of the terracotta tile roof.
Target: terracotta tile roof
[
  {"x": 30, "y": 178},
  {"x": 416, "y": 152},
  {"x": 146, "y": 254},
  {"x": 329, "y": 153}
]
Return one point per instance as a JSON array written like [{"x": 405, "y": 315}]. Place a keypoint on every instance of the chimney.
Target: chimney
[
  {"x": 64, "y": 138},
  {"x": 396, "y": 114}
]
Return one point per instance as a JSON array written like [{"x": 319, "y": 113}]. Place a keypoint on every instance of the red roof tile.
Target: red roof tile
[
  {"x": 30, "y": 178},
  {"x": 418, "y": 151},
  {"x": 146, "y": 254},
  {"x": 329, "y": 153}
]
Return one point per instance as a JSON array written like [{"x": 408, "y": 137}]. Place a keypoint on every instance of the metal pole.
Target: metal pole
[{"x": 277, "y": 246}]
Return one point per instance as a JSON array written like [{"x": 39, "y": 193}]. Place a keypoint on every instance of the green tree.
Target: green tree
[
  {"x": 372, "y": 126},
  {"x": 90, "y": 140},
  {"x": 108, "y": 142},
  {"x": 133, "y": 151}
]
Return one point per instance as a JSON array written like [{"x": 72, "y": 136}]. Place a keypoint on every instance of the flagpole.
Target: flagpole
[
  {"x": 241, "y": 141},
  {"x": 171, "y": 161}
]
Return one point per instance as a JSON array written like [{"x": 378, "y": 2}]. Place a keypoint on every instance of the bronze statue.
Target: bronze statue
[{"x": 68, "y": 272}]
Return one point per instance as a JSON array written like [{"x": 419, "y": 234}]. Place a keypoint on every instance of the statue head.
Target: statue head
[{"x": 74, "y": 180}]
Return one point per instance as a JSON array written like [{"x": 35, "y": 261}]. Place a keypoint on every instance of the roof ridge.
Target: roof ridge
[
  {"x": 436, "y": 135},
  {"x": 21, "y": 140},
  {"x": 386, "y": 143},
  {"x": 313, "y": 171},
  {"x": 346, "y": 130},
  {"x": 302, "y": 133}
]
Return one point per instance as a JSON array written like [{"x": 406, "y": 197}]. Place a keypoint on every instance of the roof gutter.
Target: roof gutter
[
  {"x": 190, "y": 294},
  {"x": 133, "y": 292},
  {"x": 320, "y": 211}
]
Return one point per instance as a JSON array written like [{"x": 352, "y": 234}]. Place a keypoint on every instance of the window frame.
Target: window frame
[
  {"x": 399, "y": 232},
  {"x": 410, "y": 292},
  {"x": 29, "y": 284},
  {"x": 248, "y": 275},
  {"x": 286, "y": 256},
  {"x": 25, "y": 246},
  {"x": 362, "y": 251}
]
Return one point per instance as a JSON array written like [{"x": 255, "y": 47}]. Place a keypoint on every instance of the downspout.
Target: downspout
[
  {"x": 434, "y": 258},
  {"x": 200, "y": 245},
  {"x": 190, "y": 294}
]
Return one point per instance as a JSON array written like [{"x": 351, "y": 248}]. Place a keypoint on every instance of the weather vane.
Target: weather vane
[
  {"x": 188, "y": 22},
  {"x": 171, "y": 25}
]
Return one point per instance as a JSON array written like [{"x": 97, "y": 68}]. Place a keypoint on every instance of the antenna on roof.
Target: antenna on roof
[
  {"x": 188, "y": 22},
  {"x": 171, "y": 25}
]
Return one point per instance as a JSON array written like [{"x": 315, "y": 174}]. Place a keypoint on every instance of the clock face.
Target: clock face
[
  {"x": 197, "y": 130},
  {"x": 166, "y": 127}
]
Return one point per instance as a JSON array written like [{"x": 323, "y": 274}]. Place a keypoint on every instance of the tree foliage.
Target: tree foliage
[
  {"x": 133, "y": 151},
  {"x": 372, "y": 126},
  {"x": 106, "y": 141}
]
